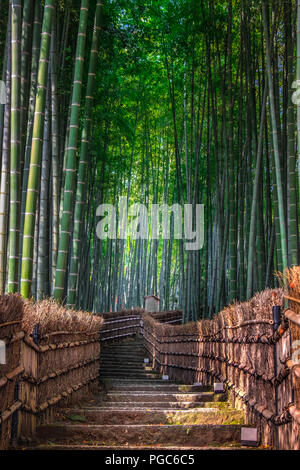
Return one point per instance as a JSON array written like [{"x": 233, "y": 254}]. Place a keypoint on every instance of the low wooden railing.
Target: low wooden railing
[
  {"x": 293, "y": 316},
  {"x": 253, "y": 357},
  {"x": 60, "y": 368},
  {"x": 257, "y": 359},
  {"x": 171, "y": 317},
  {"x": 120, "y": 325},
  {"x": 10, "y": 367},
  {"x": 43, "y": 367}
]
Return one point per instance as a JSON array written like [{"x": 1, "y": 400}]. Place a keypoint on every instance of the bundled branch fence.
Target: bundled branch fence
[
  {"x": 60, "y": 356},
  {"x": 170, "y": 317},
  {"x": 52, "y": 359},
  {"x": 243, "y": 348},
  {"x": 11, "y": 335},
  {"x": 120, "y": 325}
]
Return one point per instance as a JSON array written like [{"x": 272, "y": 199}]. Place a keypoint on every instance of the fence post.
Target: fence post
[
  {"x": 276, "y": 310},
  {"x": 36, "y": 334},
  {"x": 15, "y": 418}
]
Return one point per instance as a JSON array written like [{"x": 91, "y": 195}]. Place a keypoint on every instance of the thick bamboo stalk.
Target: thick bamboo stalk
[
  {"x": 291, "y": 164},
  {"x": 82, "y": 170},
  {"x": 5, "y": 164},
  {"x": 298, "y": 81},
  {"x": 255, "y": 198},
  {"x": 275, "y": 142},
  {"x": 55, "y": 153},
  {"x": 15, "y": 147},
  {"x": 36, "y": 36},
  {"x": 71, "y": 151},
  {"x": 35, "y": 157}
]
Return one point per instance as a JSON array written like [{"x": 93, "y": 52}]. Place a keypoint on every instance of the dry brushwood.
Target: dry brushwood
[
  {"x": 11, "y": 308},
  {"x": 52, "y": 317}
]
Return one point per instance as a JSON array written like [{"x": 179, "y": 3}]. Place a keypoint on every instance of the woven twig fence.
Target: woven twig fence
[
  {"x": 240, "y": 348},
  {"x": 170, "y": 317},
  {"x": 59, "y": 369},
  {"x": 11, "y": 312},
  {"x": 61, "y": 366},
  {"x": 120, "y": 325},
  {"x": 291, "y": 280}
]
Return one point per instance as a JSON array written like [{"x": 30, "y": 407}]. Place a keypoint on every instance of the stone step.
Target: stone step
[
  {"x": 122, "y": 364},
  {"x": 138, "y": 350},
  {"x": 142, "y": 411},
  {"x": 121, "y": 354},
  {"x": 127, "y": 349},
  {"x": 130, "y": 349},
  {"x": 126, "y": 341},
  {"x": 117, "y": 360},
  {"x": 138, "y": 369},
  {"x": 126, "y": 367},
  {"x": 140, "y": 416},
  {"x": 129, "y": 374},
  {"x": 148, "y": 381},
  {"x": 163, "y": 386},
  {"x": 123, "y": 357},
  {"x": 123, "y": 360},
  {"x": 153, "y": 405},
  {"x": 131, "y": 343},
  {"x": 92, "y": 446},
  {"x": 116, "y": 381},
  {"x": 140, "y": 434},
  {"x": 158, "y": 396}
]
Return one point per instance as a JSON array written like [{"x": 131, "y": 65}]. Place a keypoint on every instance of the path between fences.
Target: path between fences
[
  {"x": 142, "y": 410},
  {"x": 252, "y": 348}
]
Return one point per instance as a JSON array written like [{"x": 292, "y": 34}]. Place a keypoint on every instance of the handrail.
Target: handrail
[
  {"x": 292, "y": 316},
  {"x": 293, "y": 299}
]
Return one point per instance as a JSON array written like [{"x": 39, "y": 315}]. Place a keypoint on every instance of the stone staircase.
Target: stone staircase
[{"x": 139, "y": 410}]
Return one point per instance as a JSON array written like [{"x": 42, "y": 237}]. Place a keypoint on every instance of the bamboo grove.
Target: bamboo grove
[{"x": 157, "y": 102}]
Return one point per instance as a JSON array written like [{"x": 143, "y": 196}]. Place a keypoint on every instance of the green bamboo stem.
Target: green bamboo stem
[
  {"x": 81, "y": 181},
  {"x": 55, "y": 152},
  {"x": 231, "y": 174},
  {"x": 36, "y": 149},
  {"x": 4, "y": 185},
  {"x": 255, "y": 196},
  {"x": 15, "y": 141},
  {"x": 275, "y": 143},
  {"x": 36, "y": 36},
  {"x": 298, "y": 81},
  {"x": 25, "y": 62},
  {"x": 70, "y": 170},
  {"x": 291, "y": 157}
]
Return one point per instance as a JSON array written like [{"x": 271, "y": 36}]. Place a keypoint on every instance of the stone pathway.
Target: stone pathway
[{"x": 139, "y": 410}]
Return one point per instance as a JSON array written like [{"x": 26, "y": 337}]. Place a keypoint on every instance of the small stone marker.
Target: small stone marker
[
  {"x": 165, "y": 377},
  {"x": 152, "y": 303},
  {"x": 2, "y": 352},
  {"x": 249, "y": 437},
  {"x": 3, "y": 94},
  {"x": 146, "y": 360},
  {"x": 219, "y": 387}
]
